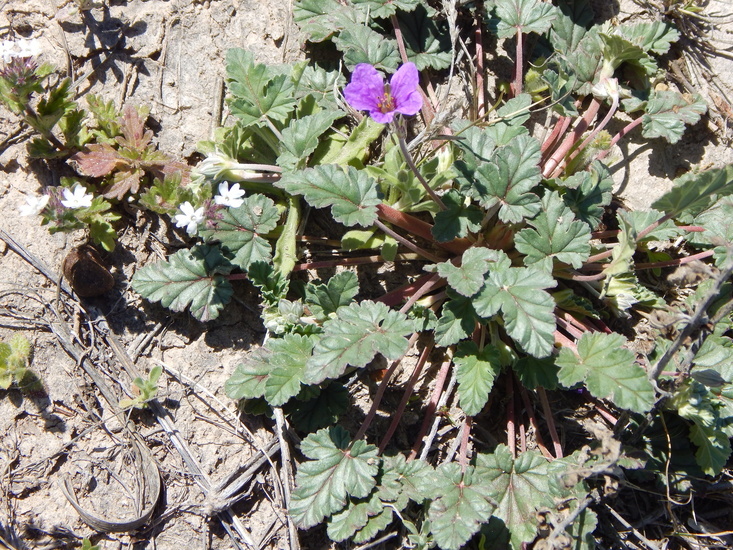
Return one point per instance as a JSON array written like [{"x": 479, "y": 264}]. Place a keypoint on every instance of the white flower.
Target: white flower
[
  {"x": 229, "y": 196},
  {"x": 22, "y": 48},
  {"x": 190, "y": 218},
  {"x": 77, "y": 197},
  {"x": 34, "y": 205}
]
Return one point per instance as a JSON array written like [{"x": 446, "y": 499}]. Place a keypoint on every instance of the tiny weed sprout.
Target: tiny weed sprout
[
  {"x": 514, "y": 282},
  {"x": 146, "y": 390},
  {"x": 14, "y": 356}
]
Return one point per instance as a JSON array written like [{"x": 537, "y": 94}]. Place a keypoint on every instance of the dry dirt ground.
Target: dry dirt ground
[{"x": 168, "y": 55}]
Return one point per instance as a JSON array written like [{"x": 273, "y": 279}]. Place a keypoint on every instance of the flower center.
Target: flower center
[{"x": 387, "y": 103}]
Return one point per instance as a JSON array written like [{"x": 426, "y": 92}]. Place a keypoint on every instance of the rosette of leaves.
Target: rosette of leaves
[{"x": 133, "y": 157}]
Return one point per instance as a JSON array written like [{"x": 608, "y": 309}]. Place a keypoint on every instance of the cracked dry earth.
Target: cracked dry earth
[{"x": 65, "y": 436}]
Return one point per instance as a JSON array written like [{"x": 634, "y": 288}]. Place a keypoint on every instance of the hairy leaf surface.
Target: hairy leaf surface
[
  {"x": 240, "y": 230},
  {"x": 477, "y": 370},
  {"x": 520, "y": 487},
  {"x": 192, "y": 278},
  {"x": 528, "y": 310},
  {"x": 334, "y": 472},
  {"x": 556, "y": 235},
  {"x": 355, "y": 336},
  {"x": 460, "y": 506},
  {"x": 351, "y": 193},
  {"x": 608, "y": 370}
]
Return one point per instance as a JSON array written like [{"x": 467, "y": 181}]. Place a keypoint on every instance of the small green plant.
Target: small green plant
[
  {"x": 86, "y": 544},
  {"x": 110, "y": 150},
  {"x": 517, "y": 285},
  {"x": 14, "y": 357},
  {"x": 146, "y": 390}
]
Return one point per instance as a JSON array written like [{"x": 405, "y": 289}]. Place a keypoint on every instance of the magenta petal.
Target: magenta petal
[
  {"x": 404, "y": 89},
  {"x": 366, "y": 88},
  {"x": 410, "y": 105},
  {"x": 382, "y": 118}
]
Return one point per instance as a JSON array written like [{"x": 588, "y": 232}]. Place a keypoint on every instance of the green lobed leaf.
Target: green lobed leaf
[
  {"x": 507, "y": 181},
  {"x": 402, "y": 481},
  {"x": 322, "y": 410},
  {"x": 523, "y": 16},
  {"x": 427, "y": 45},
  {"x": 192, "y": 278},
  {"x": 320, "y": 19},
  {"x": 528, "y": 310},
  {"x": 695, "y": 191},
  {"x": 534, "y": 373},
  {"x": 248, "y": 379},
  {"x": 468, "y": 277},
  {"x": 656, "y": 36},
  {"x": 477, "y": 370},
  {"x": 385, "y": 8},
  {"x": 591, "y": 193},
  {"x": 355, "y": 336},
  {"x": 353, "y": 518},
  {"x": 360, "y": 44},
  {"x": 300, "y": 138},
  {"x": 556, "y": 234},
  {"x": 287, "y": 366},
  {"x": 520, "y": 487},
  {"x": 334, "y": 472},
  {"x": 325, "y": 299},
  {"x": 640, "y": 220},
  {"x": 608, "y": 370},
  {"x": 713, "y": 448},
  {"x": 572, "y": 21},
  {"x": 240, "y": 230},
  {"x": 667, "y": 113},
  {"x": 351, "y": 194},
  {"x": 457, "y": 220},
  {"x": 374, "y": 525},
  {"x": 584, "y": 62},
  {"x": 457, "y": 321},
  {"x": 259, "y": 92},
  {"x": 460, "y": 506}
]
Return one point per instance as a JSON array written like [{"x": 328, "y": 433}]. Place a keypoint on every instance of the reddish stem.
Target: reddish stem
[
  {"x": 533, "y": 420},
  {"x": 591, "y": 137},
  {"x": 381, "y": 389},
  {"x": 480, "y": 94},
  {"x": 433, "y": 281},
  {"x": 407, "y": 243},
  {"x": 518, "y": 66},
  {"x": 564, "y": 341},
  {"x": 625, "y": 130},
  {"x": 405, "y": 397},
  {"x": 431, "y": 408},
  {"x": 419, "y": 228},
  {"x": 465, "y": 436},
  {"x": 511, "y": 435},
  {"x": 570, "y": 140},
  {"x": 676, "y": 262},
  {"x": 561, "y": 126},
  {"x": 396, "y": 296},
  {"x": 550, "y": 421}
]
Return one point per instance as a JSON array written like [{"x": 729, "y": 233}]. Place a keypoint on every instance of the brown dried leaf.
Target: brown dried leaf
[
  {"x": 133, "y": 130},
  {"x": 123, "y": 182},
  {"x": 98, "y": 160}
]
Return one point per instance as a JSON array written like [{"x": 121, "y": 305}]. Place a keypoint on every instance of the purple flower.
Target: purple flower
[{"x": 367, "y": 92}]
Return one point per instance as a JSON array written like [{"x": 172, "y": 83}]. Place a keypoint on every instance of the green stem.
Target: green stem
[
  {"x": 418, "y": 175},
  {"x": 32, "y": 115}
]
